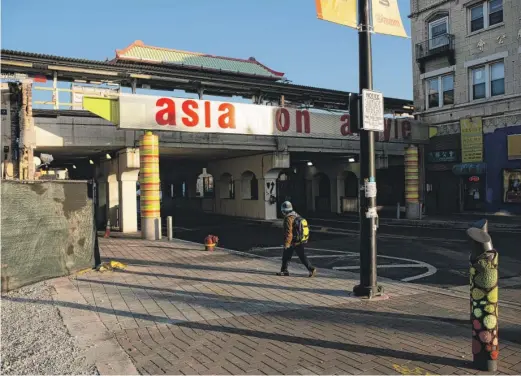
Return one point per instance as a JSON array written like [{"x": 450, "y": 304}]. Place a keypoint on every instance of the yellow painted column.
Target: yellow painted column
[
  {"x": 149, "y": 184},
  {"x": 412, "y": 180}
]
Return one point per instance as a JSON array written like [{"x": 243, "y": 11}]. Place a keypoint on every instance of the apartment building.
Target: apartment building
[{"x": 467, "y": 85}]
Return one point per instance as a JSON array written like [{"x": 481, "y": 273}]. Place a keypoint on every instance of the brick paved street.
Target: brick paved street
[{"x": 179, "y": 310}]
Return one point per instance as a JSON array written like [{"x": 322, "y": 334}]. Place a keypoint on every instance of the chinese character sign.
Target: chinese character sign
[{"x": 471, "y": 140}]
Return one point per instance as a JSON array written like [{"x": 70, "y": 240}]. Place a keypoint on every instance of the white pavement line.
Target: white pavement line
[
  {"x": 380, "y": 266},
  {"x": 431, "y": 270},
  {"x": 325, "y": 256},
  {"x": 338, "y": 231},
  {"x": 309, "y": 249}
]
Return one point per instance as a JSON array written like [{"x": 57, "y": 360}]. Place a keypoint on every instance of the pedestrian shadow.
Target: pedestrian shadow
[
  {"x": 332, "y": 345},
  {"x": 264, "y": 335},
  {"x": 208, "y": 267},
  {"x": 336, "y": 293},
  {"x": 204, "y": 267},
  {"x": 372, "y": 316}
]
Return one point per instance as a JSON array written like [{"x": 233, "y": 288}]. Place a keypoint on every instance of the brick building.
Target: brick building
[{"x": 467, "y": 76}]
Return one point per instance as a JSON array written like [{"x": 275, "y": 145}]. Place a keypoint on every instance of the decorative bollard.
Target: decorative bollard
[
  {"x": 483, "y": 298},
  {"x": 169, "y": 228}
]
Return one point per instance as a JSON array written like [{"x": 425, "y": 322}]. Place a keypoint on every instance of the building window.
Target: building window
[
  {"x": 478, "y": 83},
  {"x": 486, "y": 14},
  {"x": 488, "y": 80},
  {"x": 438, "y": 33},
  {"x": 231, "y": 189},
  {"x": 447, "y": 87},
  {"x": 208, "y": 186},
  {"x": 440, "y": 91},
  {"x": 497, "y": 79},
  {"x": 249, "y": 186}
]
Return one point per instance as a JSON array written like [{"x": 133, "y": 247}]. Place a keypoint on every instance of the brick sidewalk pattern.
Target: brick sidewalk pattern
[{"x": 177, "y": 309}]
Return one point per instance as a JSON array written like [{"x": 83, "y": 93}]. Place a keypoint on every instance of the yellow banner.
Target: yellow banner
[
  {"x": 514, "y": 146},
  {"x": 471, "y": 140},
  {"x": 386, "y": 18},
  {"x": 342, "y": 12}
]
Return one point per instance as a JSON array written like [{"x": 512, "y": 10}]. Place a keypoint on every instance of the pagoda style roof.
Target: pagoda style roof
[{"x": 139, "y": 52}]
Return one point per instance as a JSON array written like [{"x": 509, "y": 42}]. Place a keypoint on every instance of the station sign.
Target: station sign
[{"x": 171, "y": 114}]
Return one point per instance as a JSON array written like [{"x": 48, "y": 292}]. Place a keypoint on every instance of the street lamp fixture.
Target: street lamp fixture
[
  {"x": 351, "y": 159},
  {"x": 91, "y": 161},
  {"x": 310, "y": 163},
  {"x": 108, "y": 156}
]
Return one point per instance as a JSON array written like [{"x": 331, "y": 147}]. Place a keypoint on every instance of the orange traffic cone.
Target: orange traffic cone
[{"x": 107, "y": 230}]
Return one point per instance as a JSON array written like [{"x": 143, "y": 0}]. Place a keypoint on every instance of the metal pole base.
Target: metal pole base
[
  {"x": 483, "y": 364},
  {"x": 368, "y": 291}
]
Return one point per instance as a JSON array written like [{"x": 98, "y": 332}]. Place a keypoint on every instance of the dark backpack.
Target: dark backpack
[{"x": 300, "y": 230}]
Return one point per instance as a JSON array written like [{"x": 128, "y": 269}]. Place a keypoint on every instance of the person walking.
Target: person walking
[{"x": 296, "y": 235}]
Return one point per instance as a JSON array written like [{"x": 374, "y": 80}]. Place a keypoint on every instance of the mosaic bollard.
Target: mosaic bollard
[
  {"x": 149, "y": 184},
  {"x": 484, "y": 298},
  {"x": 412, "y": 179}
]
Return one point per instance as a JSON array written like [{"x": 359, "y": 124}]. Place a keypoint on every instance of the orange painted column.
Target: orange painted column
[
  {"x": 412, "y": 182},
  {"x": 149, "y": 184}
]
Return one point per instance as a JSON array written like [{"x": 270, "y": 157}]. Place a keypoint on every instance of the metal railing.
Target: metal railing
[
  {"x": 94, "y": 90},
  {"x": 439, "y": 45}
]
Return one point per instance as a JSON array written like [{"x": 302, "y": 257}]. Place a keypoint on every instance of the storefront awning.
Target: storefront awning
[{"x": 470, "y": 169}]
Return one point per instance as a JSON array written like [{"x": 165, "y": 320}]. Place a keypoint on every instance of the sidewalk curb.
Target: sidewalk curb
[{"x": 100, "y": 347}]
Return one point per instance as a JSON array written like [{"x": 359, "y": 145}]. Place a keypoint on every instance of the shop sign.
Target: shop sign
[
  {"x": 470, "y": 169},
  {"x": 512, "y": 186},
  {"x": 471, "y": 140},
  {"x": 171, "y": 114},
  {"x": 474, "y": 179},
  {"x": 443, "y": 156},
  {"x": 514, "y": 146}
]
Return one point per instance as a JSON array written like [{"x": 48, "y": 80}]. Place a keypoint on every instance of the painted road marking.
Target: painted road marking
[
  {"x": 346, "y": 232},
  {"x": 499, "y": 229},
  {"x": 378, "y": 266},
  {"x": 413, "y": 264}
]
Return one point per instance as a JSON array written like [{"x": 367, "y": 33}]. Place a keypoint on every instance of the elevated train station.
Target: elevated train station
[{"x": 234, "y": 137}]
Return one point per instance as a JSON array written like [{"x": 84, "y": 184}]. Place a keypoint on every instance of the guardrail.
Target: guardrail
[{"x": 55, "y": 99}]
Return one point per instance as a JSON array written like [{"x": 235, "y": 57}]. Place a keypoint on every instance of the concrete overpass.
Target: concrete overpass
[{"x": 235, "y": 174}]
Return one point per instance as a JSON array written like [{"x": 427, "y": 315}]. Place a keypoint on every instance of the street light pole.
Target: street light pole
[{"x": 368, "y": 225}]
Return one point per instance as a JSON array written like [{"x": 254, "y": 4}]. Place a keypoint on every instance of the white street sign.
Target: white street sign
[{"x": 373, "y": 111}]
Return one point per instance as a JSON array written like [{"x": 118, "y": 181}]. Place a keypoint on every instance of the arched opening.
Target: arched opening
[
  {"x": 322, "y": 192},
  {"x": 226, "y": 186},
  {"x": 291, "y": 187},
  {"x": 249, "y": 186},
  {"x": 349, "y": 200},
  {"x": 205, "y": 186},
  {"x": 350, "y": 184}
]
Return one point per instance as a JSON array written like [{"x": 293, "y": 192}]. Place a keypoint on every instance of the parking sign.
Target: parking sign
[{"x": 373, "y": 111}]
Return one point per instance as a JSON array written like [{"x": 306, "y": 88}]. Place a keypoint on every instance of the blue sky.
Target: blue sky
[{"x": 282, "y": 34}]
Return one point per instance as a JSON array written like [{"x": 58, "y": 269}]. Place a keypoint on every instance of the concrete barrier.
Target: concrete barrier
[{"x": 47, "y": 231}]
